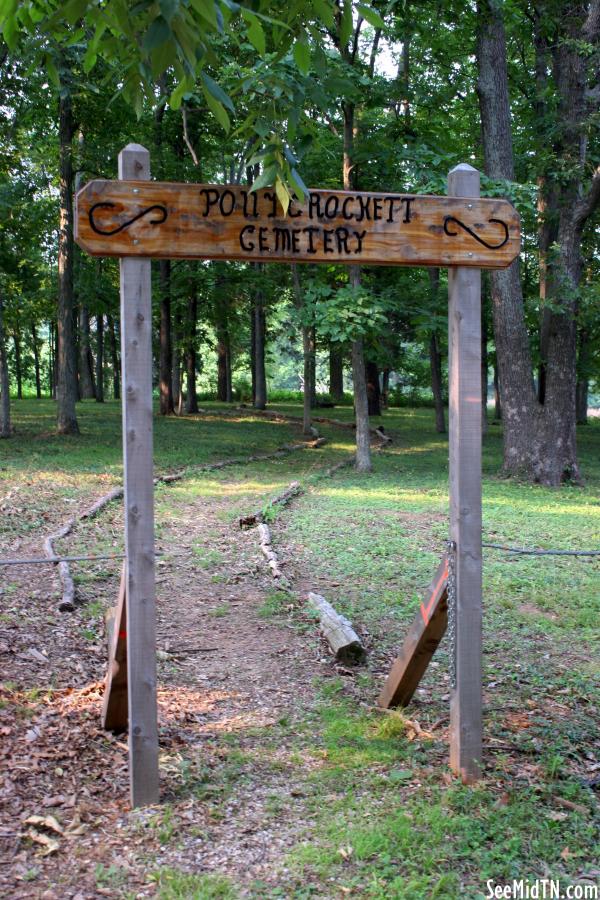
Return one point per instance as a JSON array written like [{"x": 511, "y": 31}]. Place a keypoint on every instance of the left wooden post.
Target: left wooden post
[{"x": 136, "y": 363}]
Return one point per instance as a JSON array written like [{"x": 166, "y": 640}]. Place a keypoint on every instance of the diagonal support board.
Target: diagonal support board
[
  {"x": 115, "y": 709},
  {"x": 421, "y": 642}
]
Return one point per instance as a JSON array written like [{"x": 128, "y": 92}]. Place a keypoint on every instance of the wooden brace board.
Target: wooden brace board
[
  {"x": 115, "y": 707},
  {"x": 171, "y": 220},
  {"x": 421, "y": 642}
]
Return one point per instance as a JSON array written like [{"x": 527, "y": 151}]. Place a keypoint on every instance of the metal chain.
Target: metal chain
[{"x": 451, "y": 551}]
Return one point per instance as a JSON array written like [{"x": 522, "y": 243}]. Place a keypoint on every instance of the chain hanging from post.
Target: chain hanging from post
[{"x": 451, "y": 551}]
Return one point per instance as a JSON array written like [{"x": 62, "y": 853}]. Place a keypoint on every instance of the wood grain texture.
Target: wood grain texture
[
  {"x": 170, "y": 220},
  {"x": 114, "y": 704},
  {"x": 345, "y": 644},
  {"x": 421, "y": 642},
  {"x": 464, "y": 339},
  {"x": 136, "y": 361}
]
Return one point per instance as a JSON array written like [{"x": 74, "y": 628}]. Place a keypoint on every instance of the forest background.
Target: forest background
[{"x": 384, "y": 97}]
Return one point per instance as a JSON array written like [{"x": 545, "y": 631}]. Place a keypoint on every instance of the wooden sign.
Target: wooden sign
[{"x": 169, "y": 220}]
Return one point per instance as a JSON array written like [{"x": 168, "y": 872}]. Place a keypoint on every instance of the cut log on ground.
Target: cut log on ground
[
  {"x": 264, "y": 536},
  {"x": 67, "y": 600},
  {"x": 323, "y": 420},
  {"x": 345, "y": 644}
]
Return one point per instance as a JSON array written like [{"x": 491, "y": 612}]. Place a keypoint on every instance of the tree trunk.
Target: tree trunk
[
  {"x": 306, "y": 388},
  {"x": 260, "y": 375},
  {"x": 66, "y": 381},
  {"x": 584, "y": 364},
  {"x": 100, "y": 358},
  {"x": 582, "y": 401},
  {"x": 253, "y": 351},
  {"x": 191, "y": 406},
  {"x": 385, "y": 388},
  {"x": 435, "y": 358},
  {"x": 497, "y": 403},
  {"x": 36, "y": 361},
  {"x": 87, "y": 390},
  {"x": 361, "y": 406},
  {"x": 361, "y": 401},
  {"x": 5, "y": 426},
  {"x": 484, "y": 364},
  {"x": 229, "y": 392},
  {"x": 435, "y": 361},
  {"x": 373, "y": 389},
  {"x": 114, "y": 357},
  {"x": 165, "y": 362},
  {"x": 336, "y": 373},
  {"x": 312, "y": 357},
  {"x": 176, "y": 373},
  {"x": 541, "y": 440},
  {"x": 18, "y": 363},
  {"x": 222, "y": 374},
  {"x": 51, "y": 361}
]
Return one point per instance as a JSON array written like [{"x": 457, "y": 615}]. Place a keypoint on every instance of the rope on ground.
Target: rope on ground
[
  {"x": 52, "y": 560},
  {"x": 528, "y": 551}
]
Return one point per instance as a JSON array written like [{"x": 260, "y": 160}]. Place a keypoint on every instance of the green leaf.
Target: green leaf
[
  {"x": 283, "y": 195},
  {"x": 10, "y": 30},
  {"x": 74, "y": 10},
  {"x": 182, "y": 88},
  {"x": 371, "y": 16},
  {"x": 302, "y": 57},
  {"x": 157, "y": 34},
  {"x": 217, "y": 91},
  {"x": 89, "y": 60},
  {"x": 169, "y": 7},
  {"x": 299, "y": 187},
  {"x": 266, "y": 177},
  {"x": 218, "y": 110},
  {"x": 256, "y": 36},
  {"x": 324, "y": 10},
  {"x": 51, "y": 71},
  {"x": 346, "y": 24},
  {"x": 161, "y": 59},
  {"x": 206, "y": 9}
]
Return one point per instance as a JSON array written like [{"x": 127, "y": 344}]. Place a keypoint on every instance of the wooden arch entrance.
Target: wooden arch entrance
[{"x": 137, "y": 220}]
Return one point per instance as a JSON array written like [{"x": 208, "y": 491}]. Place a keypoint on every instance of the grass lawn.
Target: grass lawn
[{"x": 375, "y": 809}]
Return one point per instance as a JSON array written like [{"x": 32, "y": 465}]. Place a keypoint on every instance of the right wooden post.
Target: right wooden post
[{"x": 464, "y": 588}]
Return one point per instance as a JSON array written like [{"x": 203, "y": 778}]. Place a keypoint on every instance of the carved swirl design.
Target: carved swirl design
[
  {"x": 480, "y": 240},
  {"x": 161, "y": 209}
]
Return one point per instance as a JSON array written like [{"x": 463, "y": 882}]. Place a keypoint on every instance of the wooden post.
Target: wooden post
[
  {"x": 464, "y": 613},
  {"x": 136, "y": 367}
]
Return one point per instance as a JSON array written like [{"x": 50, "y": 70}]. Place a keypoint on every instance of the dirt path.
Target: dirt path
[{"x": 228, "y": 672}]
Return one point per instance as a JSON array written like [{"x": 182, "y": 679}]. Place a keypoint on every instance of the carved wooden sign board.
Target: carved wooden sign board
[{"x": 170, "y": 220}]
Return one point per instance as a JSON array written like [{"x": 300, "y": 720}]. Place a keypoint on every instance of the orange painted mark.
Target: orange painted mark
[{"x": 426, "y": 610}]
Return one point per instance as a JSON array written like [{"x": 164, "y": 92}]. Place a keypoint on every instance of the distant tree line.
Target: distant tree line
[{"x": 340, "y": 95}]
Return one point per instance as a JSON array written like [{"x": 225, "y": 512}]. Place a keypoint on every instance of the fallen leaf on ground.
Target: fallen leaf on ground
[
  {"x": 50, "y": 844},
  {"x": 47, "y": 821}
]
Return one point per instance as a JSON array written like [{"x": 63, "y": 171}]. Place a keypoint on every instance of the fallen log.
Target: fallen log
[
  {"x": 67, "y": 600},
  {"x": 280, "y": 500},
  {"x": 264, "y": 536},
  {"x": 345, "y": 644}
]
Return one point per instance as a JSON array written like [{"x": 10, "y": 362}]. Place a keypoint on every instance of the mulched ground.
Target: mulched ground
[{"x": 66, "y": 829}]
